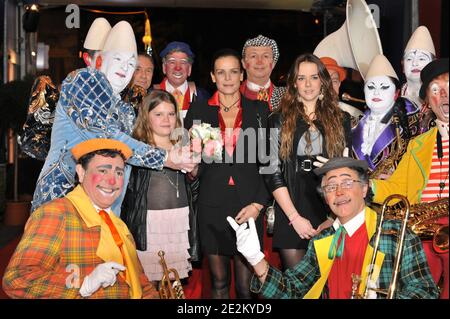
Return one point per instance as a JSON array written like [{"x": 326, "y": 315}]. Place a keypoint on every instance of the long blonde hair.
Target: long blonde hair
[
  {"x": 142, "y": 130},
  {"x": 327, "y": 111}
]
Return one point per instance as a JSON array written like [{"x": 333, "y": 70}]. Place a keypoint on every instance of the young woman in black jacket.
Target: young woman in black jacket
[
  {"x": 158, "y": 205},
  {"x": 308, "y": 123}
]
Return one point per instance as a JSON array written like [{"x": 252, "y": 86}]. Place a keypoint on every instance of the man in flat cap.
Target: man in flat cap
[
  {"x": 343, "y": 250},
  {"x": 423, "y": 173},
  {"x": 74, "y": 247},
  {"x": 90, "y": 107},
  {"x": 177, "y": 59},
  {"x": 259, "y": 57}
]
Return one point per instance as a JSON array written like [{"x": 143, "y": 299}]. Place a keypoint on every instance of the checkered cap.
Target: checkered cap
[{"x": 262, "y": 41}]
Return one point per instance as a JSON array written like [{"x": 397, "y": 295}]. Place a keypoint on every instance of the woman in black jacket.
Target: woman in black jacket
[
  {"x": 231, "y": 186},
  {"x": 308, "y": 123},
  {"x": 158, "y": 205}
]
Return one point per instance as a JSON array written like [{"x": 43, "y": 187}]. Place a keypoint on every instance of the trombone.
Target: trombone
[
  {"x": 390, "y": 293},
  {"x": 167, "y": 289}
]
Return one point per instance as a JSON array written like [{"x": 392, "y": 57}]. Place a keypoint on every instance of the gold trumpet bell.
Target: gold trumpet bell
[
  {"x": 440, "y": 240},
  {"x": 167, "y": 288}
]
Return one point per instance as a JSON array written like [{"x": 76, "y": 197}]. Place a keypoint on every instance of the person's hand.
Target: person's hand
[
  {"x": 383, "y": 176},
  {"x": 304, "y": 228},
  {"x": 322, "y": 160},
  {"x": 371, "y": 294},
  {"x": 248, "y": 211},
  {"x": 103, "y": 275},
  {"x": 180, "y": 158},
  {"x": 247, "y": 241},
  {"x": 326, "y": 224}
]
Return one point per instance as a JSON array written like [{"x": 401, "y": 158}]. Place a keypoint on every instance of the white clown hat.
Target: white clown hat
[
  {"x": 379, "y": 66},
  {"x": 121, "y": 38},
  {"x": 421, "y": 40},
  {"x": 96, "y": 36}
]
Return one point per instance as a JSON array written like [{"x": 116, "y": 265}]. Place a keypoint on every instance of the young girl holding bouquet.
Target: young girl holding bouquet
[
  {"x": 157, "y": 207},
  {"x": 231, "y": 185}
]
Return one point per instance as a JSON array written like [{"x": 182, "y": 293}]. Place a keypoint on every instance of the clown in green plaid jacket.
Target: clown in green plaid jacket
[{"x": 309, "y": 278}]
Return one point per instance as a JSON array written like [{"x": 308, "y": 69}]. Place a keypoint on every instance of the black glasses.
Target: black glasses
[{"x": 345, "y": 184}]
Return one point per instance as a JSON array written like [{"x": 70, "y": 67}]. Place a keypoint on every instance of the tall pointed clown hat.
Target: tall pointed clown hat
[
  {"x": 96, "y": 36},
  {"x": 380, "y": 65},
  {"x": 421, "y": 39},
  {"x": 121, "y": 38}
]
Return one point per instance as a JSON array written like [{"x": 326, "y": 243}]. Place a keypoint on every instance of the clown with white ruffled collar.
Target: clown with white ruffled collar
[
  {"x": 375, "y": 138},
  {"x": 418, "y": 53},
  {"x": 423, "y": 173}
]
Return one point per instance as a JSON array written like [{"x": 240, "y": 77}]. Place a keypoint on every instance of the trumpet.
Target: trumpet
[
  {"x": 390, "y": 293},
  {"x": 347, "y": 97},
  {"x": 167, "y": 289}
]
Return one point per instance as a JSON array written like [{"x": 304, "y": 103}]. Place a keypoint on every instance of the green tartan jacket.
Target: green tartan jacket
[{"x": 414, "y": 279}]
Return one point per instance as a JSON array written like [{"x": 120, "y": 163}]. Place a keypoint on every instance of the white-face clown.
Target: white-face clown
[
  {"x": 413, "y": 62},
  {"x": 118, "y": 68},
  {"x": 380, "y": 94}
]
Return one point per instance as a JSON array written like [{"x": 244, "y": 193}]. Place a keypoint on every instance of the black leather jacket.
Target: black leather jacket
[
  {"x": 134, "y": 210},
  {"x": 283, "y": 172}
]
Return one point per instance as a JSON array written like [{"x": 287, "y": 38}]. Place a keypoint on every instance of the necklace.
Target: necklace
[
  {"x": 172, "y": 183},
  {"x": 227, "y": 108},
  {"x": 440, "y": 157}
]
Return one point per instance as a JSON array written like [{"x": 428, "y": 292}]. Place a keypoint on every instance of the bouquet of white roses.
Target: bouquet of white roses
[{"x": 207, "y": 140}]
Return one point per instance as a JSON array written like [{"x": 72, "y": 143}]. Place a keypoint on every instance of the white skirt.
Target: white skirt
[{"x": 167, "y": 230}]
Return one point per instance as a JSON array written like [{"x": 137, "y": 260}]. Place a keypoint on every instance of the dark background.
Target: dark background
[{"x": 208, "y": 30}]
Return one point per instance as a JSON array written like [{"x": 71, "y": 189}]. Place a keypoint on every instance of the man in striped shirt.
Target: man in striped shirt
[{"x": 423, "y": 173}]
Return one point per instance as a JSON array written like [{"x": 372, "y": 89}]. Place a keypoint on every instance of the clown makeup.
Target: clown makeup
[
  {"x": 380, "y": 94},
  {"x": 177, "y": 67},
  {"x": 413, "y": 62},
  {"x": 259, "y": 63},
  {"x": 437, "y": 94},
  {"x": 347, "y": 198},
  {"x": 118, "y": 68},
  {"x": 103, "y": 179}
]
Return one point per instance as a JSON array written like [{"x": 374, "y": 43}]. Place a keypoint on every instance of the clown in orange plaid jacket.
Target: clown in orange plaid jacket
[{"x": 63, "y": 242}]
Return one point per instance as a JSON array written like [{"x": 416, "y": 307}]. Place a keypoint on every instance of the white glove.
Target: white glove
[
  {"x": 371, "y": 294},
  {"x": 322, "y": 160},
  {"x": 247, "y": 240},
  {"x": 103, "y": 275}
]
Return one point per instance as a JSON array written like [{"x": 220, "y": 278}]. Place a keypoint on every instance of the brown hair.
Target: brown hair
[
  {"x": 142, "y": 130},
  {"x": 327, "y": 111}
]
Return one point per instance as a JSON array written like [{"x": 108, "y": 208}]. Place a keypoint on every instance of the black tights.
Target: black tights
[
  {"x": 220, "y": 270},
  {"x": 291, "y": 257}
]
